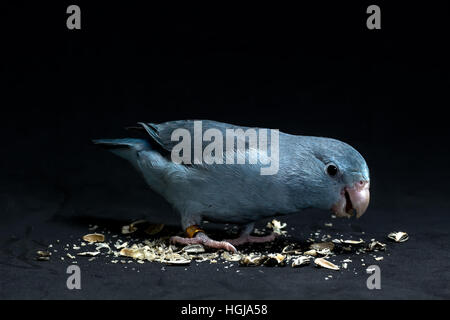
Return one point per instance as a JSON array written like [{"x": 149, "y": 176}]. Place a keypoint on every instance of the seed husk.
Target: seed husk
[
  {"x": 370, "y": 269},
  {"x": 132, "y": 253},
  {"x": 300, "y": 261},
  {"x": 360, "y": 241},
  {"x": 325, "y": 264},
  {"x": 277, "y": 226},
  {"x": 324, "y": 252},
  {"x": 231, "y": 257},
  {"x": 177, "y": 261},
  {"x": 290, "y": 249},
  {"x": 398, "y": 236},
  {"x": 312, "y": 253},
  {"x": 321, "y": 246},
  {"x": 102, "y": 245},
  {"x": 376, "y": 245},
  {"x": 119, "y": 245},
  {"x": 379, "y": 258},
  {"x": 128, "y": 229},
  {"x": 43, "y": 253},
  {"x": 94, "y": 237},
  {"x": 252, "y": 260},
  {"x": 43, "y": 258},
  {"x": 132, "y": 227},
  {"x": 194, "y": 248},
  {"x": 275, "y": 259},
  {"x": 88, "y": 253}
]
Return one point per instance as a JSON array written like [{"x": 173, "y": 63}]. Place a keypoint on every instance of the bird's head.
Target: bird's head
[{"x": 340, "y": 177}]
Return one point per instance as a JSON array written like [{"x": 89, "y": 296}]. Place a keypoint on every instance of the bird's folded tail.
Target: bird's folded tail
[
  {"x": 135, "y": 144},
  {"x": 126, "y": 148}
]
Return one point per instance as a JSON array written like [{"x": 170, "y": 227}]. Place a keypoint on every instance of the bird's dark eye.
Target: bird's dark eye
[{"x": 331, "y": 170}]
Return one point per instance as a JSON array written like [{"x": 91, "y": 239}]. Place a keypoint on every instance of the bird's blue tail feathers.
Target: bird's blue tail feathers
[
  {"x": 126, "y": 148},
  {"x": 126, "y": 143}
]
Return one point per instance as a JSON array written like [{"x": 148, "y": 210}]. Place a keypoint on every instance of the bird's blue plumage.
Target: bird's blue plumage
[{"x": 232, "y": 193}]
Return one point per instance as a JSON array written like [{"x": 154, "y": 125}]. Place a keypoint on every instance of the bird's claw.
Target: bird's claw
[
  {"x": 253, "y": 239},
  {"x": 201, "y": 238}
]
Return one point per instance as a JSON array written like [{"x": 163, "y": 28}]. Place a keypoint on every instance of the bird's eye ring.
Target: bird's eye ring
[{"x": 331, "y": 169}]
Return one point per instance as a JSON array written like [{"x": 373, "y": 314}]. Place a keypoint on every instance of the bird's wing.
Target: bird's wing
[
  {"x": 162, "y": 133},
  {"x": 242, "y": 146}
]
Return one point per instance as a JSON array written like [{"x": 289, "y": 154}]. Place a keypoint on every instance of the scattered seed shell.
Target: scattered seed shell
[
  {"x": 370, "y": 269},
  {"x": 325, "y": 264},
  {"x": 360, "y": 241},
  {"x": 194, "y": 248},
  {"x": 132, "y": 227},
  {"x": 43, "y": 253},
  {"x": 290, "y": 249},
  {"x": 321, "y": 246},
  {"x": 274, "y": 259},
  {"x": 119, "y": 245},
  {"x": 324, "y": 252},
  {"x": 132, "y": 253},
  {"x": 398, "y": 236},
  {"x": 277, "y": 226},
  {"x": 252, "y": 260},
  {"x": 94, "y": 237},
  {"x": 40, "y": 258},
  {"x": 231, "y": 257},
  {"x": 102, "y": 245},
  {"x": 300, "y": 261},
  {"x": 91, "y": 253},
  {"x": 178, "y": 261},
  {"x": 312, "y": 253},
  {"x": 376, "y": 245},
  {"x": 128, "y": 229}
]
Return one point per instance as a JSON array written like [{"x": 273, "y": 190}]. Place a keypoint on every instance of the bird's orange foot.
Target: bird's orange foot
[
  {"x": 252, "y": 239},
  {"x": 201, "y": 238}
]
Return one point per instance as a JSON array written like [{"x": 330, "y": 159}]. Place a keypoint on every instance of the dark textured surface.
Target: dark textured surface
[
  {"x": 416, "y": 269},
  {"x": 311, "y": 73}
]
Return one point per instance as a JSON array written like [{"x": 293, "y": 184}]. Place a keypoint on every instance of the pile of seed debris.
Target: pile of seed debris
[{"x": 322, "y": 251}]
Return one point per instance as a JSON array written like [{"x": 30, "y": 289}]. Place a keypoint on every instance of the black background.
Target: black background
[{"x": 305, "y": 69}]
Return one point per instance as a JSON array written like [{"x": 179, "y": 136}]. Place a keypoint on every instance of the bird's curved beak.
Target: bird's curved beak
[{"x": 353, "y": 198}]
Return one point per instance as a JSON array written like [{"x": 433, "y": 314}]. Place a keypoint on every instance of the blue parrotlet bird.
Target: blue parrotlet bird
[{"x": 311, "y": 172}]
